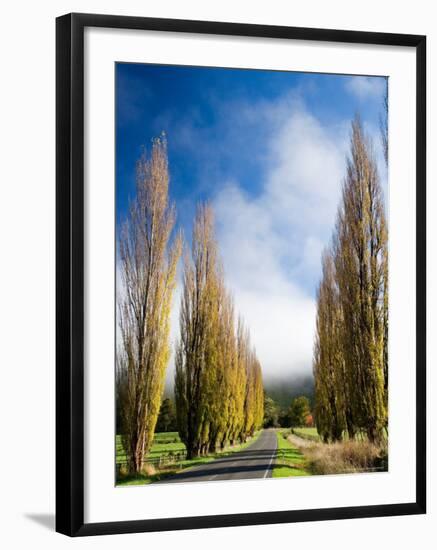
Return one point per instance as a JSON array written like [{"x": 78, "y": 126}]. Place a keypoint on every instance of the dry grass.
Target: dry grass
[
  {"x": 149, "y": 469},
  {"x": 342, "y": 457}
]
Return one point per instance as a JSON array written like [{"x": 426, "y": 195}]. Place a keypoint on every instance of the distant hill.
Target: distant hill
[
  {"x": 283, "y": 390},
  {"x": 280, "y": 389}
]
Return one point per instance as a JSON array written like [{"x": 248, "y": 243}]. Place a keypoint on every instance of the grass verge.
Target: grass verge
[
  {"x": 290, "y": 461},
  {"x": 306, "y": 433}
]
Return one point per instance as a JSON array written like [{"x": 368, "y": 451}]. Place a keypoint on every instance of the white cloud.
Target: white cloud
[
  {"x": 365, "y": 87},
  {"x": 272, "y": 243}
]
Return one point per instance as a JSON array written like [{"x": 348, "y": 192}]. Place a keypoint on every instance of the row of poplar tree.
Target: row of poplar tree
[
  {"x": 351, "y": 346},
  {"x": 218, "y": 383},
  {"x": 218, "y": 380}
]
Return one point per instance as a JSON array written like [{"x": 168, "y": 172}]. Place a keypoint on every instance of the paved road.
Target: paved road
[{"x": 256, "y": 461}]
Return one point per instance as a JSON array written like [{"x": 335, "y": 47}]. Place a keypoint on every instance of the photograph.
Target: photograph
[
  {"x": 218, "y": 281},
  {"x": 252, "y": 262}
]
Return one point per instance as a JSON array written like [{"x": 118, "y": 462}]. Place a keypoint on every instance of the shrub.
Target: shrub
[
  {"x": 346, "y": 457},
  {"x": 149, "y": 469}
]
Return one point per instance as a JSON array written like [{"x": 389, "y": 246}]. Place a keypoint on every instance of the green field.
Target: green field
[
  {"x": 312, "y": 435},
  {"x": 290, "y": 461},
  {"x": 307, "y": 433},
  {"x": 166, "y": 444},
  {"x": 163, "y": 444}
]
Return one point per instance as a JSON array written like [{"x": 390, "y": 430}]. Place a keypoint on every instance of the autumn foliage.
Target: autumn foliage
[
  {"x": 218, "y": 381},
  {"x": 148, "y": 271},
  {"x": 351, "y": 347}
]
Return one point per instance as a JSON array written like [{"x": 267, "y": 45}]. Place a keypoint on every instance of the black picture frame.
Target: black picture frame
[{"x": 70, "y": 273}]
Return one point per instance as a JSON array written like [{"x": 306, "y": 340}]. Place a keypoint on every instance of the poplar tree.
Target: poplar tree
[
  {"x": 361, "y": 267},
  {"x": 244, "y": 361},
  {"x": 385, "y": 145},
  {"x": 328, "y": 364},
  {"x": 259, "y": 394},
  {"x": 196, "y": 352},
  {"x": 237, "y": 389},
  {"x": 253, "y": 409},
  {"x": 218, "y": 379},
  {"x": 147, "y": 268},
  {"x": 223, "y": 369},
  {"x": 350, "y": 352}
]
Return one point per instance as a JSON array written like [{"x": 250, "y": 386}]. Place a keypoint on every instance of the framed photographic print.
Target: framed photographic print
[{"x": 241, "y": 279}]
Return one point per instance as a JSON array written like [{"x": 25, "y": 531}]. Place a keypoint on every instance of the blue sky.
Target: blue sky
[{"x": 267, "y": 149}]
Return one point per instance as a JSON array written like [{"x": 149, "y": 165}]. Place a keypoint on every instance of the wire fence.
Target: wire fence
[{"x": 159, "y": 462}]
